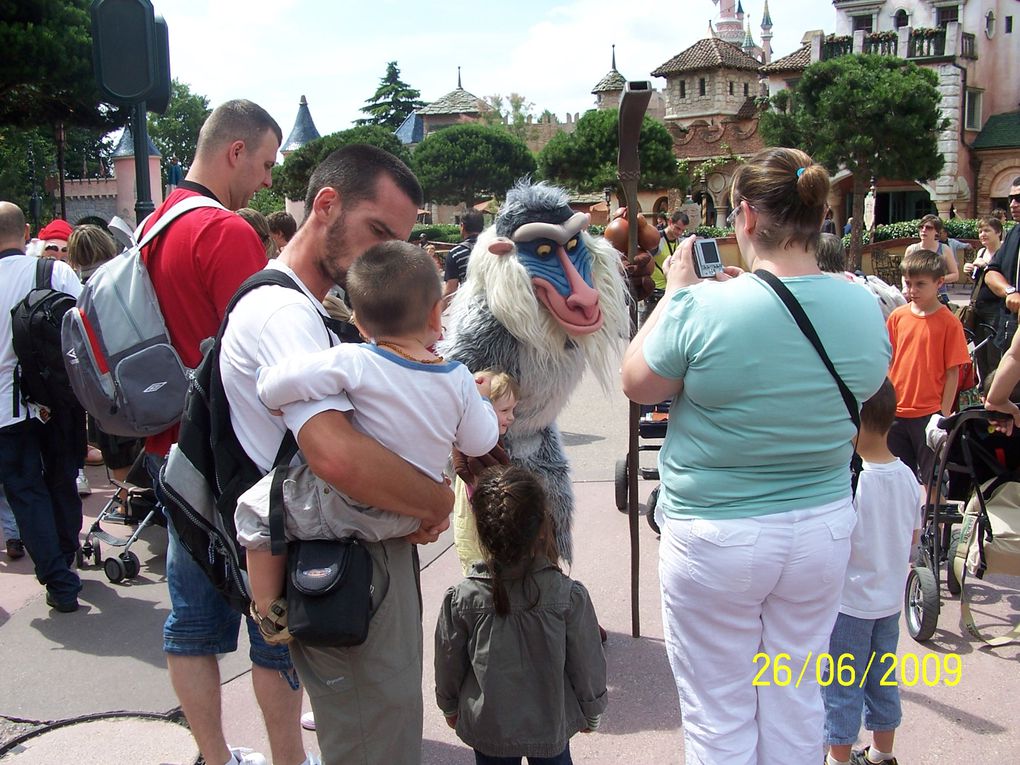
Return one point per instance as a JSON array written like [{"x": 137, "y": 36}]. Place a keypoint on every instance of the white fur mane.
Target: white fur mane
[{"x": 507, "y": 288}]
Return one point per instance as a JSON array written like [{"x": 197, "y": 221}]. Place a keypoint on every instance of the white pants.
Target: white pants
[{"x": 732, "y": 589}]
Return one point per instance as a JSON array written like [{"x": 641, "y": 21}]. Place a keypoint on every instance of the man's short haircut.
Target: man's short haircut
[
  {"x": 879, "y": 411},
  {"x": 830, "y": 255},
  {"x": 283, "y": 223},
  {"x": 935, "y": 220},
  {"x": 12, "y": 222},
  {"x": 923, "y": 263},
  {"x": 354, "y": 171},
  {"x": 680, "y": 217},
  {"x": 239, "y": 120},
  {"x": 473, "y": 222},
  {"x": 392, "y": 288}
]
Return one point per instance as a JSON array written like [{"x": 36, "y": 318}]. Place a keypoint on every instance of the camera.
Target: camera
[{"x": 707, "y": 261}]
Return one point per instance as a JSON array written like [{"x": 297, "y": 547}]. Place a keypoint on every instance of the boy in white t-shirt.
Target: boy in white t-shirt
[
  {"x": 398, "y": 391},
  {"x": 888, "y": 504}
]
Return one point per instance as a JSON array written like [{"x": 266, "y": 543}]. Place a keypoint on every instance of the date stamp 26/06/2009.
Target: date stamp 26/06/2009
[{"x": 927, "y": 670}]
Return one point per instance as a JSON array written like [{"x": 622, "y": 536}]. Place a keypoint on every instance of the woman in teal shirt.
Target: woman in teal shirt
[{"x": 755, "y": 467}]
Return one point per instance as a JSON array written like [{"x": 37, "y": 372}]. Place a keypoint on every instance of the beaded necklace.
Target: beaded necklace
[{"x": 397, "y": 350}]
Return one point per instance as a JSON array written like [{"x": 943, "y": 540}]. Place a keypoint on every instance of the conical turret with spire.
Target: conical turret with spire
[{"x": 608, "y": 90}]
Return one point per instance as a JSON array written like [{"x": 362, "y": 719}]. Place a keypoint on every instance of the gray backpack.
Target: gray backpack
[{"x": 117, "y": 351}]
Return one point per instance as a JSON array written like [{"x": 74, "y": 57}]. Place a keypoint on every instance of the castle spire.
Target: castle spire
[
  {"x": 459, "y": 86},
  {"x": 766, "y": 35}
]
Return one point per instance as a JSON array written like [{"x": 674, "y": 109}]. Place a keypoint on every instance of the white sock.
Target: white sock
[
  {"x": 830, "y": 760},
  {"x": 876, "y": 756}
]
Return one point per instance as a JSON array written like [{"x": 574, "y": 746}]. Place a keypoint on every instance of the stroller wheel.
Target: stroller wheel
[
  {"x": 97, "y": 554},
  {"x": 622, "y": 485},
  {"x": 131, "y": 564},
  {"x": 921, "y": 603},
  {"x": 952, "y": 583},
  {"x": 79, "y": 558},
  {"x": 653, "y": 500},
  {"x": 114, "y": 569}
]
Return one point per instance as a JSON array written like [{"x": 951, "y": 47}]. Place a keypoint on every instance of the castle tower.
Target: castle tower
[
  {"x": 766, "y": 35},
  {"x": 303, "y": 131},
  {"x": 729, "y": 26},
  {"x": 609, "y": 89}
]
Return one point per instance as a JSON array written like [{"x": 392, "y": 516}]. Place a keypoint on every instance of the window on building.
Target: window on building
[
  {"x": 683, "y": 89},
  {"x": 701, "y": 86},
  {"x": 1009, "y": 25},
  {"x": 747, "y": 90},
  {"x": 972, "y": 110},
  {"x": 866, "y": 23},
  {"x": 900, "y": 19},
  {"x": 946, "y": 13},
  {"x": 990, "y": 25},
  {"x": 731, "y": 87}
]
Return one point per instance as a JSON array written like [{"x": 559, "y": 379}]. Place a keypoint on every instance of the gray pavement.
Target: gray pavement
[{"x": 92, "y": 686}]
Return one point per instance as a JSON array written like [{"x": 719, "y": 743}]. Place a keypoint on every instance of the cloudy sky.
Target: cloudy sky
[{"x": 551, "y": 51}]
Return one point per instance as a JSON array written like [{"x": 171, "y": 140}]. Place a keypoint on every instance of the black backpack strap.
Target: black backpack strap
[
  {"x": 808, "y": 329},
  {"x": 288, "y": 447},
  {"x": 44, "y": 273}
]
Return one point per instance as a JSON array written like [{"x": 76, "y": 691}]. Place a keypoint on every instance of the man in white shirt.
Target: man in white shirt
[
  {"x": 48, "y": 524},
  {"x": 369, "y": 696}
]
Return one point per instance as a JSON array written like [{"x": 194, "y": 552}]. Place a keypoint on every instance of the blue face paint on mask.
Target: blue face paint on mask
[{"x": 541, "y": 261}]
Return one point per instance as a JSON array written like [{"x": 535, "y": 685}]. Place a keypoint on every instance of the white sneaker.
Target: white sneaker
[
  {"x": 83, "y": 484},
  {"x": 308, "y": 721},
  {"x": 243, "y": 756}
]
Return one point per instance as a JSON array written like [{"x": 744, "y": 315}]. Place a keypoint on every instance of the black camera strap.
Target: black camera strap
[{"x": 799, "y": 316}]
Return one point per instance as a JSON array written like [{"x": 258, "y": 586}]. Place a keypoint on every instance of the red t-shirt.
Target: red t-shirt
[
  {"x": 196, "y": 266},
  {"x": 924, "y": 348}
]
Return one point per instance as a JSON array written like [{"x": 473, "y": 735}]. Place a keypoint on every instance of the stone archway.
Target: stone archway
[{"x": 995, "y": 182}]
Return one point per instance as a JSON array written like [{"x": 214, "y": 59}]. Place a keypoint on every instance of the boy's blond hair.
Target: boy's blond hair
[
  {"x": 501, "y": 385},
  {"x": 879, "y": 411},
  {"x": 923, "y": 263}
]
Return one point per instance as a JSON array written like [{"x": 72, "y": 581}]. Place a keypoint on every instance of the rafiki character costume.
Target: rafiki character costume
[{"x": 543, "y": 299}]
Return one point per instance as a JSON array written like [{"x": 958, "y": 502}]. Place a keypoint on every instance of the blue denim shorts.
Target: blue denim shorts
[
  {"x": 200, "y": 621},
  {"x": 879, "y": 703}
]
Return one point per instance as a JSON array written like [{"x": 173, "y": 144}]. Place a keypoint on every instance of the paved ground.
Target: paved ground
[{"x": 92, "y": 685}]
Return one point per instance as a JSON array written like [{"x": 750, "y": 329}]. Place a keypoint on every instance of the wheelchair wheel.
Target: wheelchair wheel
[
  {"x": 653, "y": 500},
  {"x": 621, "y": 485},
  {"x": 921, "y": 603},
  {"x": 952, "y": 583}
]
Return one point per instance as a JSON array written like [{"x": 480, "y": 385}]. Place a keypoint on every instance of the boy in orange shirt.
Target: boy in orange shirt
[{"x": 928, "y": 348}]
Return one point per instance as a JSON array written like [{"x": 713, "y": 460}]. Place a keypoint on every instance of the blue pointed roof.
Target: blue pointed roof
[
  {"x": 303, "y": 130},
  {"x": 411, "y": 130},
  {"x": 126, "y": 146}
]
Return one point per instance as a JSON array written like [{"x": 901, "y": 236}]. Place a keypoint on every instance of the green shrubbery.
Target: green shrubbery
[
  {"x": 958, "y": 228},
  {"x": 436, "y": 232}
]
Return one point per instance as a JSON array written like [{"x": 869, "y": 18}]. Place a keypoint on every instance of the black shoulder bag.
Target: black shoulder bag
[{"x": 808, "y": 329}]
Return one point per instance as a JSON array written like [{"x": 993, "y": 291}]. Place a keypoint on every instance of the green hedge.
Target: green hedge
[
  {"x": 958, "y": 228},
  {"x": 437, "y": 232}
]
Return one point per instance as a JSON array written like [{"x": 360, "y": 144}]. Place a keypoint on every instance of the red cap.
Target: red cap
[{"x": 56, "y": 229}]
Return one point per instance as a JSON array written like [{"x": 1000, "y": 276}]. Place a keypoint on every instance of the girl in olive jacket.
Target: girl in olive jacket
[{"x": 519, "y": 661}]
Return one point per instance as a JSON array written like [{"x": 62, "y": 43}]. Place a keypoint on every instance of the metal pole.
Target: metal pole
[
  {"x": 633, "y": 105},
  {"x": 140, "y": 133},
  {"x": 60, "y": 168}
]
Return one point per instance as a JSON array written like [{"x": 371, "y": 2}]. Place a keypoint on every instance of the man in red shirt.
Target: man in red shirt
[{"x": 196, "y": 265}]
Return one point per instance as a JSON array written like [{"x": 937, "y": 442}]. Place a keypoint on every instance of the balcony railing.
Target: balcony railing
[
  {"x": 926, "y": 43},
  {"x": 968, "y": 46},
  {"x": 881, "y": 43},
  {"x": 834, "y": 47}
]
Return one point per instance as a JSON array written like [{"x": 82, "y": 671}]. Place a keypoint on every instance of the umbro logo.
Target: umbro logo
[
  {"x": 72, "y": 356},
  {"x": 154, "y": 387}
]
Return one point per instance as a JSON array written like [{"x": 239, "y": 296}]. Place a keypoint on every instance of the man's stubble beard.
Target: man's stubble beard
[{"x": 335, "y": 251}]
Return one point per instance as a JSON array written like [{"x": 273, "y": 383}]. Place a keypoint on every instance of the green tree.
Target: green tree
[
  {"x": 586, "y": 159},
  {"x": 510, "y": 113},
  {"x": 465, "y": 163},
  {"x": 873, "y": 115},
  {"x": 297, "y": 169},
  {"x": 175, "y": 132},
  {"x": 47, "y": 75},
  {"x": 272, "y": 199},
  {"x": 394, "y": 99}
]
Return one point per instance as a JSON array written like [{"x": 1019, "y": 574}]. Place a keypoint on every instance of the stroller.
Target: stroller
[
  {"x": 651, "y": 428},
  {"x": 973, "y": 463},
  {"x": 132, "y": 504}
]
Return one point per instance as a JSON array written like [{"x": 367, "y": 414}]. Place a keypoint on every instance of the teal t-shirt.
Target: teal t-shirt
[{"x": 760, "y": 426}]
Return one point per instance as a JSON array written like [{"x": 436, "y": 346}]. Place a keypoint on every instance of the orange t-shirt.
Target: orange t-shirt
[{"x": 924, "y": 348}]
